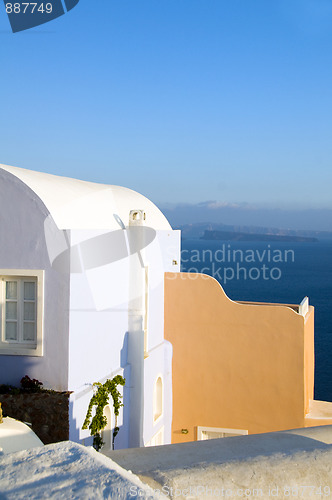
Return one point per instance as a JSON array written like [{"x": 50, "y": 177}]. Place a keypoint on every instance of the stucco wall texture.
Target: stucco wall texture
[
  {"x": 294, "y": 463},
  {"x": 238, "y": 366}
]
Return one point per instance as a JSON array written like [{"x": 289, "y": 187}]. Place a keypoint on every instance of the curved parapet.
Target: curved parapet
[{"x": 235, "y": 366}]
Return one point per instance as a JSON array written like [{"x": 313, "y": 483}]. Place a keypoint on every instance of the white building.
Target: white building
[{"x": 82, "y": 296}]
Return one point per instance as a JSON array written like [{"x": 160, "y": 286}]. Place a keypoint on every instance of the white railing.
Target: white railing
[{"x": 304, "y": 306}]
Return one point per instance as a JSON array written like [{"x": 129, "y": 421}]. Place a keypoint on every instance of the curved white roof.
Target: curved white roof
[
  {"x": 17, "y": 436},
  {"x": 76, "y": 204}
]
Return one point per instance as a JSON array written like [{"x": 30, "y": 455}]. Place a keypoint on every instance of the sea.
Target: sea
[{"x": 283, "y": 272}]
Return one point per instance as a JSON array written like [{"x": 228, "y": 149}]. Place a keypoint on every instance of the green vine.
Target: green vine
[{"x": 100, "y": 399}]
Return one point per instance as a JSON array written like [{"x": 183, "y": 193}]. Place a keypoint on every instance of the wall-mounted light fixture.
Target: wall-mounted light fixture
[{"x": 137, "y": 217}]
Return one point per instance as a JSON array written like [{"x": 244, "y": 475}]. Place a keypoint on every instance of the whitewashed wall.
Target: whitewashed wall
[
  {"x": 23, "y": 246},
  {"x": 106, "y": 323},
  {"x": 162, "y": 255},
  {"x": 94, "y": 309}
]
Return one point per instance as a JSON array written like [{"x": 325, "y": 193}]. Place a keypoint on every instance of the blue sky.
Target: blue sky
[{"x": 181, "y": 100}]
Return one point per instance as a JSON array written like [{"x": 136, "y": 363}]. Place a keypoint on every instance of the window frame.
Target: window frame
[
  {"x": 158, "y": 399},
  {"x": 219, "y": 430},
  {"x": 158, "y": 439},
  {"x": 22, "y": 347}
]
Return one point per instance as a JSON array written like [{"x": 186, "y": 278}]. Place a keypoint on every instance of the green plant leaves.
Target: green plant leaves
[{"x": 99, "y": 400}]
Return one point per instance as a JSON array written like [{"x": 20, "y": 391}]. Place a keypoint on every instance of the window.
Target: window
[
  {"x": 107, "y": 432},
  {"x": 158, "y": 399},
  {"x": 204, "y": 433},
  {"x": 146, "y": 310},
  {"x": 21, "y": 310},
  {"x": 157, "y": 439}
]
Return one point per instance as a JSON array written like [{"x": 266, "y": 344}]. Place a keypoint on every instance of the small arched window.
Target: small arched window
[
  {"x": 107, "y": 431},
  {"x": 158, "y": 399}
]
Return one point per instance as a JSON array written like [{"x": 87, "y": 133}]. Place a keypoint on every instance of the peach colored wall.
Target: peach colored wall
[
  {"x": 309, "y": 358},
  {"x": 234, "y": 365}
]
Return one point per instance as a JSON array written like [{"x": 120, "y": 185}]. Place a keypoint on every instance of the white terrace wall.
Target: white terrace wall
[
  {"x": 162, "y": 254},
  {"x": 103, "y": 294},
  {"x": 117, "y": 292},
  {"x": 23, "y": 219},
  {"x": 98, "y": 338}
]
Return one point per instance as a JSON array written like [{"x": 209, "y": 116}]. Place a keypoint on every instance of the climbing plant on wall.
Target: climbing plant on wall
[{"x": 99, "y": 400}]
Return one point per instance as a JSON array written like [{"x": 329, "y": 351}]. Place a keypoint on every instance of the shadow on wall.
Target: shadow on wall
[
  {"x": 122, "y": 439},
  {"x": 94, "y": 252},
  {"x": 16, "y": 367}
]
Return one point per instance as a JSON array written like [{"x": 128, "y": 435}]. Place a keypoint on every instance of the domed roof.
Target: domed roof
[{"x": 76, "y": 204}]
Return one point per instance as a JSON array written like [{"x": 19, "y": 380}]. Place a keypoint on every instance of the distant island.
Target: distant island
[
  {"x": 220, "y": 231},
  {"x": 236, "y": 236}
]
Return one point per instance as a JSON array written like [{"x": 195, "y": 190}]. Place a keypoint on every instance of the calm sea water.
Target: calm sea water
[{"x": 275, "y": 272}]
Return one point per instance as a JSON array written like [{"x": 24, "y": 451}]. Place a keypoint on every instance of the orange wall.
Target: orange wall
[
  {"x": 309, "y": 359},
  {"x": 234, "y": 365}
]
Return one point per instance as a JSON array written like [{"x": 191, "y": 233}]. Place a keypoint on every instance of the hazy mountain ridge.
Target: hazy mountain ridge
[
  {"x": 236, "y": 236},
  {"x": 313, "y": 222},
  {"x": 197, "y": 230}
]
